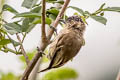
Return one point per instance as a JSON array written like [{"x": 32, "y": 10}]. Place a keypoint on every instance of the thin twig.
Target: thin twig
[
  {"x": 42, "y": 47},
  {"x": 23, "y": 50},
  {"x": 24, "y": 35}
]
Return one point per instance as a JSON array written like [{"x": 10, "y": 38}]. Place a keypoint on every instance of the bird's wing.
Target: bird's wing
[
  {"x": 64, "y": 49},
  {"x": 53, "y": 46}
]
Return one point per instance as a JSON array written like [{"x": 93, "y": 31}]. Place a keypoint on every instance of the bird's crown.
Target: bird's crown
[{"x": 74, "y": 18}]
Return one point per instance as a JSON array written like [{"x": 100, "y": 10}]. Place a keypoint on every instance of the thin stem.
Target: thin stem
[
  {"x": 24, "y": 35},
  {"x": 23, "y": 50},
  {"x": 10, "y": 50}
]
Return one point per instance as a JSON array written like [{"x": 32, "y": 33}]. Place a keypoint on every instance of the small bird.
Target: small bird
[{"x": 67, "y": 43}]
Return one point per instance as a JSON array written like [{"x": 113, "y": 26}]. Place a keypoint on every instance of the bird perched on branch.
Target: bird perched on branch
[{"x": 67, "y": 43}]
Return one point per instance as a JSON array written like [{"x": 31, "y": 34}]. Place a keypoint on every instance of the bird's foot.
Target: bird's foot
[
  {"x": 40, "y": 51},
  {"x": 54, "y": 29}
]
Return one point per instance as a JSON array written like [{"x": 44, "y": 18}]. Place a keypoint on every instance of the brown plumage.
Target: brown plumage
[{"x": 67, "y": 43}]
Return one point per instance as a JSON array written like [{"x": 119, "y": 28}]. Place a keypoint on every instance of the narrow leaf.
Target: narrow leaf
[
  {"x": 26, "y": 24},
  {"x": 48, "y": 21},
  {"x": 29, "y": 3},
  {"x": 101, "y": 7},
  {"x": 4, "y": 41},
  {"x": 28, "y": 14},
  {"x": 36, "y": 9},
  {"x": 77, "y": 9},
  {"x": 99, "y": 19},
  {"x": 53, "y": 11},
  {"x": 12, "y": 28},
  {"x": 9, "y": 8},
  {"x": 115, "y": 9}
]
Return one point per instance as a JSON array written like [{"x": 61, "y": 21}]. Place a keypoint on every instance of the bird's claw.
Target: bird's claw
[
  {"x": 54, "y": 29},
  {"x": 40, "y": 51}
]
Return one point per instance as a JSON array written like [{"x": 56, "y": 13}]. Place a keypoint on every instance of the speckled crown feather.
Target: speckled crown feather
[{"x": 74, "y": 18}]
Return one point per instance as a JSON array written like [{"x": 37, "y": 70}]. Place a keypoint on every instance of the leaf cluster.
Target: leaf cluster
[
  {"x": 61, "y": 74},
  {"x": 98, "y": 15},
  {"x": 25, "y": 23}
]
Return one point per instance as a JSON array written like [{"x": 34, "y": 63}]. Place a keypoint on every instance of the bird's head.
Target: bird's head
[{"x": 75, "y": 22}]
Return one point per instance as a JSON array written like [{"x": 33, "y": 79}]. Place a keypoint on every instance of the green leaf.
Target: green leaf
[
  {"x": 60, "y": 2},
  {"x": 101, "y": 7},
  {"x": 99, "y": 19},
  {"x": 28, "y": 14},
  {"x": 12, "y": 28},
  {"x": 26, "y": 24},
  {"x": 9, "y": 8},
  {"x": 4, "y": 41},
  {"x": 77, "y": 9},
  {"x": 53, "y": 17},
  {"x": 9, "y": 75},
  {"x": 29, "y": 3},
  {"x": 53, "y": 11},
  {"x": 36, "y": 9},
  {"x": 115, "y": 9},
  {"x": 48, "y": 21},
  {"x": 61, "y": 74}
]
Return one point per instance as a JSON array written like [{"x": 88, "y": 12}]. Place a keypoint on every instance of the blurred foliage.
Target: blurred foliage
[
  {"x": 9, "y": 76},
  {"x": 61, "y": 74},
  {"x": 56, "y": 74},
  {"x": 31, "y": 55}
]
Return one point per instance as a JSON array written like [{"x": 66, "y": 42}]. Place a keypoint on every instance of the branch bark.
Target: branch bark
[
  {"x": 43, "y": 46},
  {"x": 43, "y": 21},
  {"x": 61, "y": 13}
]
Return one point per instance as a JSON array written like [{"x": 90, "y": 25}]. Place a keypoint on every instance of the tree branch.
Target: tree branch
[
  {"x": 43, "y": 46},
  {"x": 22, "y": 49},
  {"x": 43, "y": 21},
  {"x": 58, "y": 18}
]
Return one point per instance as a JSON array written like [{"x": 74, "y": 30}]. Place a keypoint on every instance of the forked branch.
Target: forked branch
[{"x": 43, "y": 46}]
